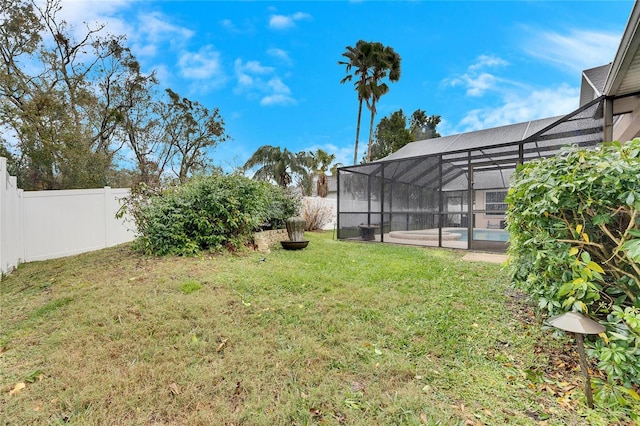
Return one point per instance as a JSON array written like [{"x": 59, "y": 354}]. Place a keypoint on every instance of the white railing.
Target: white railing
[{"x": 39, "y": 225}]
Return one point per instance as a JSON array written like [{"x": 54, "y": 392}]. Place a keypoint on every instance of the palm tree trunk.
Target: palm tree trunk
[
  {"x": 373, "y": 114},
  {"x": 355, "y": 153}
]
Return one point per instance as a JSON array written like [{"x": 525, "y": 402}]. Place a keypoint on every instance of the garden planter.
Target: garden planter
[{"x": 295, "y": 230}]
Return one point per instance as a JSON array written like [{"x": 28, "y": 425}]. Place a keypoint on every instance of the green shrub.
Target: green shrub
[
  {"x": 207, "y": 213},
  {"x": 575, "y": 245},
  {"x": 283, "y": 204}
]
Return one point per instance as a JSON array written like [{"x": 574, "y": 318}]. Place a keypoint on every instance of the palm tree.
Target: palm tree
[
  {"x": 359, "y": 57},
  {"x": 276, "y": 164},
  {"x": 322, "y": 161},
  {"x": 386, "y": 63},
  {"x": 317, "y": 163},
  {"x": 305, "y": 182}
]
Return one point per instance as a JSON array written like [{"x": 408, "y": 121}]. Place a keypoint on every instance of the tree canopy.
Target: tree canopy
[
  {"x": 387, "y": 64},
  {"x": 371, "y": 63},
  {"x": 392, "y": 132},
  {"x": 77, "y": 107},
  {"x": 320, "y": 162},
  {"x": 422, "y": 126},
  {"x": 276, "y": 164},
  {"x": 287, "y": 169}
]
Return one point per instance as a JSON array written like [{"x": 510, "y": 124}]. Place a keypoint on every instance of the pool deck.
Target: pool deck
[
  {"x": 472, "y": 256},
  {"x": 485, "y": 257}
]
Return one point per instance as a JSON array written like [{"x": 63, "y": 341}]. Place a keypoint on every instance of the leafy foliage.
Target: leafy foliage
[
  {"x": 392, "y": 132},
  {"x": 321, "y": 161},
  {"x": 360, "y": 59},
  {"x": 276, "y": 164},
  {"x": 424, "y": 127},
  {"x": 391, "y": 135},
  {"x": 207, "y": 213},
  {"x": 59, "y": 121},
  {"x": 575, "y": 245},
  {"x": 190, "y": 130},
  {"x": 73, "y": 98}
]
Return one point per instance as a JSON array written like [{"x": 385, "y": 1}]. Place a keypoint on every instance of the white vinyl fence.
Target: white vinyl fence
[{"x": 39, "y": 225}]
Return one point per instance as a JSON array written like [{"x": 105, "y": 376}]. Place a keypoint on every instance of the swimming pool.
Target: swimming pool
[
  {"x": 452, "y": 234},
  {"x": 481, "y": 234}
]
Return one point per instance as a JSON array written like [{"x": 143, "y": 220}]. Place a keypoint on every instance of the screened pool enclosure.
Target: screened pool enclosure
[{"x": 449, "y": 191}]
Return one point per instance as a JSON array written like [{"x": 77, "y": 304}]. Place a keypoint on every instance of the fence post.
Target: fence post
[
  {"x": 3, "y": 186},
  {"x": 20, "y": 238},
  {"x": 11, "y": 247},
  {"x": 105, "y": 210}
]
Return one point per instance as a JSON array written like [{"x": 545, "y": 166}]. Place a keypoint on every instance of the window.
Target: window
[{"x": 494, "y": 203}]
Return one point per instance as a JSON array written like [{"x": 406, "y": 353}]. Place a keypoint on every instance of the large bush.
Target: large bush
[
  {"x": 207, "y": 214},
  {"x": 575, "y": 246}
]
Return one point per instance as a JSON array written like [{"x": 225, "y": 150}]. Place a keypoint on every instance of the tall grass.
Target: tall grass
[{"x": 338, "y": 333}]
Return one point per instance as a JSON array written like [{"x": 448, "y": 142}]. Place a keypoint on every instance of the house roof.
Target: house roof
[
  {"x": 477, "y": 139},
  {"x": 624, "y": 76},
  {"x": 593, "y": 81},
  {"x": 616, "y": 80},
  {"x": 619, "y": 78}
]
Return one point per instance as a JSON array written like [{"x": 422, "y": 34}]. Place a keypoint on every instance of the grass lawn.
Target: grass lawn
[{"x": 338, "y": 333}]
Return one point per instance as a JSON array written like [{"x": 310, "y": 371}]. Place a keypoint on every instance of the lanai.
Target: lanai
[{"x": 449, "y": 191}]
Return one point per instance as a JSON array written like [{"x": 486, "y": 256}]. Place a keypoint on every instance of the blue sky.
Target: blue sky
[{"x": 271, "y": 67}]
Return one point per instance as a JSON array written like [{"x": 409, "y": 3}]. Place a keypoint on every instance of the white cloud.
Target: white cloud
[
  {"x": 279, "y": 54},
  {"x": 229, "y": 25},
  {"x": 477, "y": 81},
  {"x": 246, "y": 26},
  {"x": 485, "y": 61},
  {"x": 575, "y": 50},
  {"x": 200, "y": 65},
  {"x": 282, "y": 22},
  {"x": 480, "y": 84},
  {"x": 155, "y": 28},
  {"x": 78, "y": 12},
  {"x": 280, "y": 93},
  {"x": 516, "y": 108},
  {"x": 278, "y": 86},
  {"x": 507, "y": 101},
  {"x": 277, "y": 99},
  {"x": 251, "y": 81},
  {"x": 301, "y": 15},
  {"x": 256, "y": 67},
  {"x": 245, "y": 80},
  {"x": 149, "y": 34}
]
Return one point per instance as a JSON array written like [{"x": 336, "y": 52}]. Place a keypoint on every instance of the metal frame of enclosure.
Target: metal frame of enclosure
[{"x": 449, "y": 192}]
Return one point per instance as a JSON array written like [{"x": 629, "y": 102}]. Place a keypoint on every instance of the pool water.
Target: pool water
[{"x": 483, "y": 234}]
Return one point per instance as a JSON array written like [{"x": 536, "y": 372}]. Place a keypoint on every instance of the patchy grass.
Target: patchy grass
[
  {"x": 190, "y": 287},
  {"x": 338, "y": 333}
]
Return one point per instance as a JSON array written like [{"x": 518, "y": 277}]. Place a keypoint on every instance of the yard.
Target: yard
[{"x": 338, "y": 333}]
